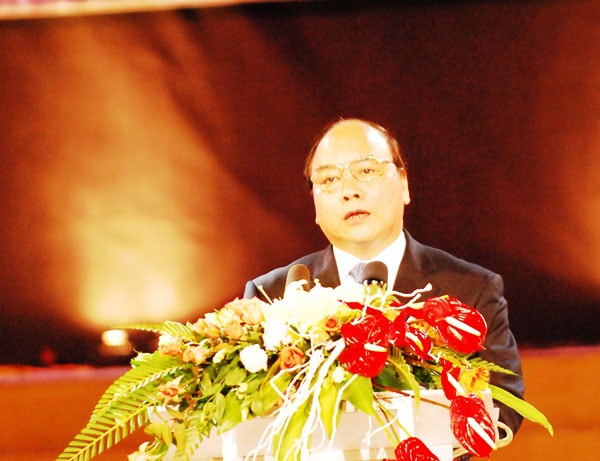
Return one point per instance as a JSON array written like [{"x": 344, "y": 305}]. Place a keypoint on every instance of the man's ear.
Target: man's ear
[{"x": 406, "y": 191}]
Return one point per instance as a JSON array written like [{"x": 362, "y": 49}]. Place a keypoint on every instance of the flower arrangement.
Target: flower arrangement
[{"x": 300, "y": 359}]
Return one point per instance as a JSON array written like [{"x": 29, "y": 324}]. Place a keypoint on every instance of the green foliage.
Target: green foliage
[
  {"x": 208, "y": 377},
  {"x": 122, "y": 409},
  {"x": 360, "y": 394},
  {"x": 330, "y": 408},
  {"x": 168, "y": 327},
  {"x": 286, "y": 441},
  {"x": 524, "y": 408}
]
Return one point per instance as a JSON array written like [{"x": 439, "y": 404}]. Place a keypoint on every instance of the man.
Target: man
[{"x": 360, "y": 188}]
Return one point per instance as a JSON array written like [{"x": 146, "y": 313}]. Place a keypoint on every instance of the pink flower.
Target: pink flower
[
  {"x": 197, "y": 354},
  {"x": 250, "y": 311},
  {"x": 232, "y": 327},
  {"x": 291, "y": 356},
  {"x": 169, "y": 345},
  {"x": 205, "y": 328},
  {"x": 169, "y": 391},
  {"x": 332, "y": 324}
]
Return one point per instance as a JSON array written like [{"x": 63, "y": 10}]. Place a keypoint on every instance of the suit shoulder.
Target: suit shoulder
[
  {"x": 282, "y": 271},
  {"x": 444, "y": 261}
]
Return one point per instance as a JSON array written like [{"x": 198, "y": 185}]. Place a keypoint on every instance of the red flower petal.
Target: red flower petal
[
  {"x": 449, "y": 378},
  {"x": 360, "y": 306},
  {"x": 404, "y": 335},
  {"x": 366, "y": 345},
  {"x": 461, "y": 327},
  {"x": 413, "y": 449},
  {"x": 472, "y": 426}
]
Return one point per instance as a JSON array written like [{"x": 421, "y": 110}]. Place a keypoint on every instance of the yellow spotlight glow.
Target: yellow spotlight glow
[{"x": 115, "y": 338}]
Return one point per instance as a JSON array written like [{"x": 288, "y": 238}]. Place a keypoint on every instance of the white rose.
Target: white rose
[
  {"x": 303, "y": 309},
  {"x": 254, "y": 358},
  {"x": 349, "y": 291},
  {"x": 276, "y": 334}
]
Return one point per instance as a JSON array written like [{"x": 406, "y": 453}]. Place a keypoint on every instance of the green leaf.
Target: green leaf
[
  {"x": 268, "y": 395},
  {"x": 219, "y": 408},
  {"x": 179, "y": 432},
  {"x": 286, "y": 447},
  {"x": 160, "y": 430},
  {"x": 232, "y": 415},
  {"x": 123, "y": 408},
  {"x": 235, "y": 377},
  {"x": 403, "y": 368},
  {"x": 167, "y": 328},
  {"x": 327, "y": 401},
  {"x": 389, "y": 378},
  {"x": 522, "y": 407},
  {"x": 360, "y": 394}
]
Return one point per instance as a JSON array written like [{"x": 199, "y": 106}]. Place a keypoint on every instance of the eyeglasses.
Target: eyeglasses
[{"x": 328, "y": 178}]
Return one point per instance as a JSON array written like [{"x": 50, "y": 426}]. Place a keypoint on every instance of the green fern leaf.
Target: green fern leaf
[
  {"x": 167, "y": 328},
  {"x": 122, "y": 409}
]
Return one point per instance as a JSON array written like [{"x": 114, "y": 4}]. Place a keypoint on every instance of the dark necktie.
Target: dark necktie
[
  {"x": 357, "y": 272},
  {"x": 372, "y": 272}
]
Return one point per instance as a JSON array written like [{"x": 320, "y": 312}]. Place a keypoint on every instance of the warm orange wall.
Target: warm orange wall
[
  {"x": 151, "y": 162},
  {"x": 42, "y": 410}
]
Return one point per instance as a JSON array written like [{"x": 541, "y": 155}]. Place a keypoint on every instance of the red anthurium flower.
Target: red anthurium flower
[
  {"x": 359, "y": 306},
  {"x": 472, "y": 426},
  {"x": 450, "y": 383},
  {"x": 413, "y": 449},
  {"x": 461, "y": 327},
  {"x": 366, "y": 345},
  {"x": 404, "y": 335}
]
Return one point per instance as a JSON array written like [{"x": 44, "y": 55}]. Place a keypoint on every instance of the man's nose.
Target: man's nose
[{"x": 351, "y": 187}]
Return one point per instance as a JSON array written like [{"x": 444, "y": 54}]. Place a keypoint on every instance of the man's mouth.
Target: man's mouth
[{"x": 356, "y": 214}]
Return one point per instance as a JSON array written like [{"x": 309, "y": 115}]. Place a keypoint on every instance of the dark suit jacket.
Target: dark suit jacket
[{"x": 470, "y": 283}]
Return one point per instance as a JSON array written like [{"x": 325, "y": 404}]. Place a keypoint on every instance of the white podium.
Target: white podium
[{"x": 358, "y": 436}]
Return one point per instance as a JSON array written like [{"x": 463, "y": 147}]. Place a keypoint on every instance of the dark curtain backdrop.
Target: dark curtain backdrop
[{"x": 151, "y": 161}]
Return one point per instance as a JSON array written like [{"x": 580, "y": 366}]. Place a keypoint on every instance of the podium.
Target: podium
[{"x": 358, "y": 437}]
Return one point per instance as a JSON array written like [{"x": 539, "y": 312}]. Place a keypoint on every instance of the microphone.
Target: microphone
[
  {"x": 298, "y": 272},
  {"x": 375, "y": 272}
]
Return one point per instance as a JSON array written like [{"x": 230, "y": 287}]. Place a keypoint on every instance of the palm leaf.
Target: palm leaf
[
  {"x": 137, "y": 383},
  {"x": 479, "y": 362},
  {"x": 167, "y": 328},
  {"x": 122, "y": 409},
  {"x": 524, "y": 408}
]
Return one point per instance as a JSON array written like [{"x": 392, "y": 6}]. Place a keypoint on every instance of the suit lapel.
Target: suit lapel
[
  {"x": 324, "y": 268},
  {"x": 415, "y": 267},
  {"x": 414, "y": 272}
]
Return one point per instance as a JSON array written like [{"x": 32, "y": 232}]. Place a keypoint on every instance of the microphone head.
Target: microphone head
[
  {"x": 296, "y": 273},
  {"x": 375, "y": 272}
]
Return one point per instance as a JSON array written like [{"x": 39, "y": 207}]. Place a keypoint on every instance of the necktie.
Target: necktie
[
  {"x": 372, "y": 272},
  {"x": 357, "y": 272}
]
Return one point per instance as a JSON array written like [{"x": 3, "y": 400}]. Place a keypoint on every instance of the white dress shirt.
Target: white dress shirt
[{"x": 390, "y": 256}]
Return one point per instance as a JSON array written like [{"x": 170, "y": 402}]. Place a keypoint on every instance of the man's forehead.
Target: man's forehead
[{"x": 354, "y": 138}]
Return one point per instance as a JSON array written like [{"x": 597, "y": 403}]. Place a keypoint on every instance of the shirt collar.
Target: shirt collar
[{"x": 390, "y": 256}]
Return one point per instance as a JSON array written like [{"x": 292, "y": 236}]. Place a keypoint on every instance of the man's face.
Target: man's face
[{"x": 361, "y": 218}]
